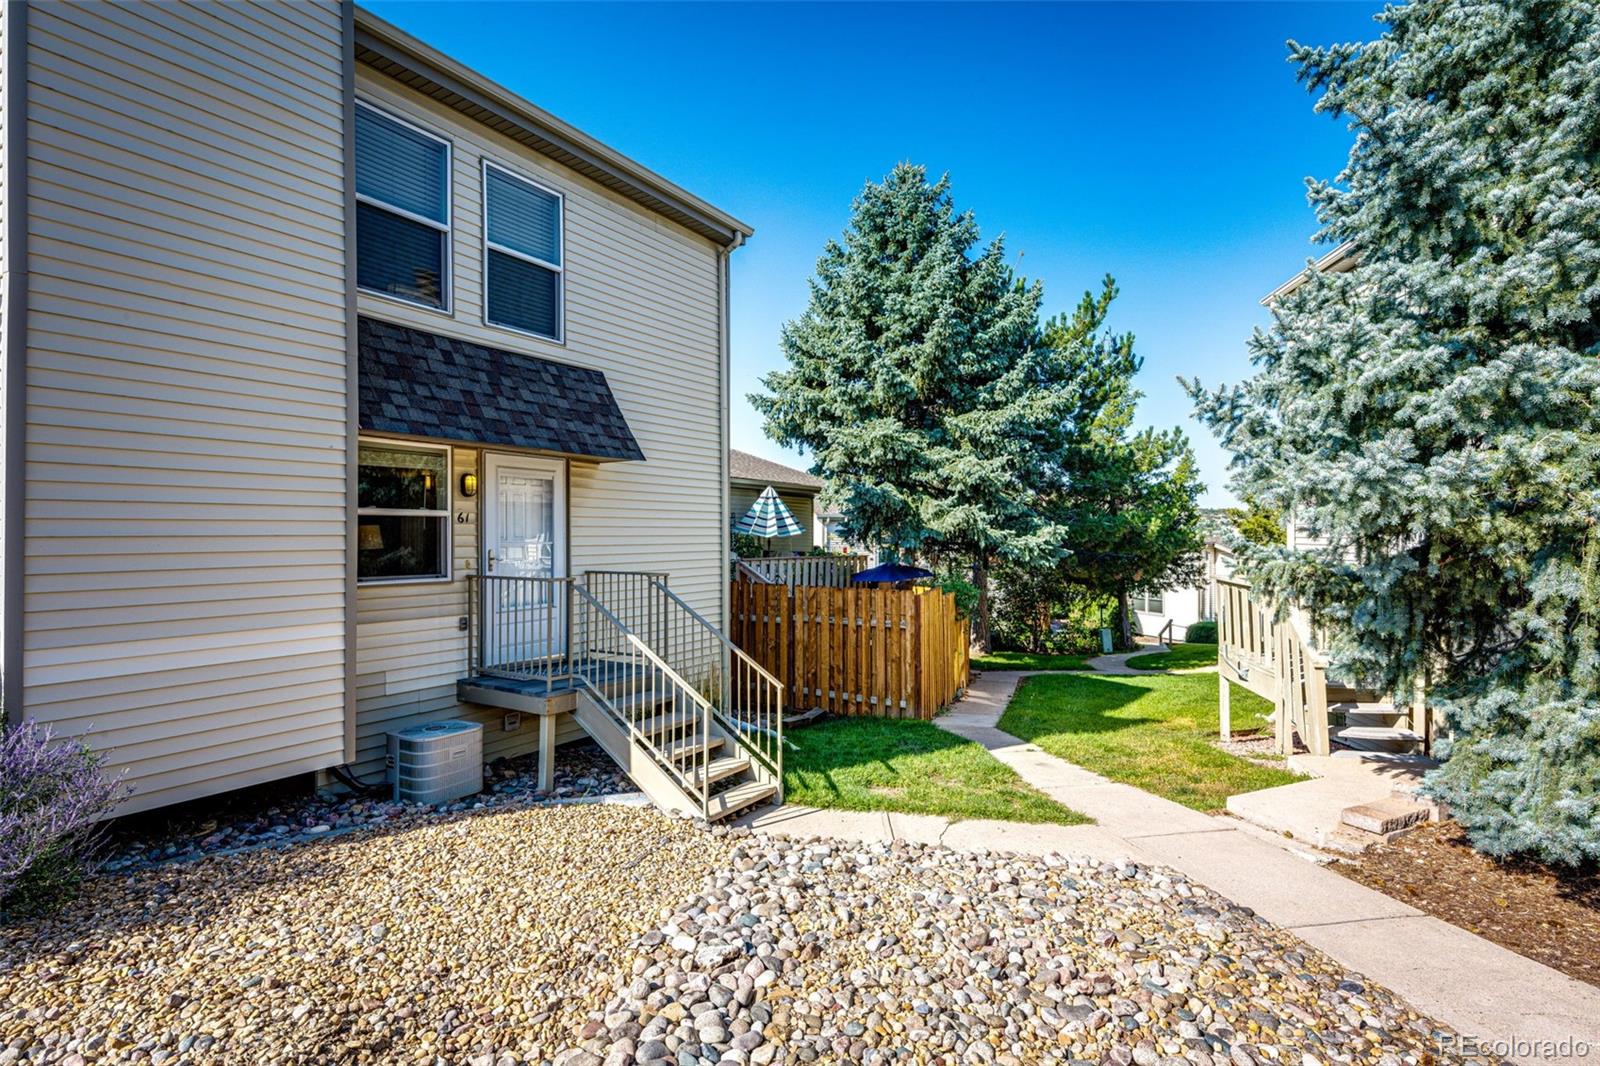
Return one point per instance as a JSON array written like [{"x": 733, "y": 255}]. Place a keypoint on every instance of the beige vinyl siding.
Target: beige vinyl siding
[
  {"x": 641, "y": 305},
  {"x": 410, "y": 649},
  {"x": 801, "y": 505},
  {"x": 5, "y": 299},
  {"x": 185, "y": 501}
]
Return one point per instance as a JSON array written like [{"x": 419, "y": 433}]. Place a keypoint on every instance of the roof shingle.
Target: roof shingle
[
  {"x": 742, "y": 466},
  {"x": 425, "y": 385}
]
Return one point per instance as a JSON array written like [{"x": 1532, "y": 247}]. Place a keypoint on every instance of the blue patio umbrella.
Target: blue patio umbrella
[
  {"x": 890, "y": 573},
  {"x": 768, "y": 517}
]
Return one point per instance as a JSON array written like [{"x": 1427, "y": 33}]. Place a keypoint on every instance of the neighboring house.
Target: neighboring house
[
  {"x": 1183, "y": 605},
  {"x": 749, "y": 474},
  {"x": 305, "y": 326},
  {"x": 1342, "y": 259},
  {"x": 1278, "y": 655}
]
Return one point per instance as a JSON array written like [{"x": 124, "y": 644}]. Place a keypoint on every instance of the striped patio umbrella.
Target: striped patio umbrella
[{"x": 768, "y": 517}]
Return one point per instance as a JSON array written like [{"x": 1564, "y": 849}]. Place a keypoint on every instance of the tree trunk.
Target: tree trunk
[
  {"x": 1124, "y": 618},
  {"x": 980, "y": 624}
]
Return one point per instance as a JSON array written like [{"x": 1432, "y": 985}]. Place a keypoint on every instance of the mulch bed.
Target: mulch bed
[{"x": 1545, "y": 913}]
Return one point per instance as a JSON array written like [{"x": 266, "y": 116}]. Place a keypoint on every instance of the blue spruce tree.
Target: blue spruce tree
[
  {"x": 1434, "y": 413},
  {"x": 918, "y": 381}
]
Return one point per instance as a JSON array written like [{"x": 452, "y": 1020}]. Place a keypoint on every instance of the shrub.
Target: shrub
[
  {"x": 53, "y": 797},
  {"x": 745, "y": 546},
  {"x": 1036, "y": 611},
  {"x": 1201, "y": 633},
  {"x": 965, "y": 592}
]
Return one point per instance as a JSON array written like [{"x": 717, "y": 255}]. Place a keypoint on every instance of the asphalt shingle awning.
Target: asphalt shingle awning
[{"x": 425, "y": 385}]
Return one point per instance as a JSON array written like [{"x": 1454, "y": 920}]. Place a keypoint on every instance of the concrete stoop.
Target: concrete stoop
[
  {"x": 1386, "y": 817},
  {"x": 1346, "y": 805}
]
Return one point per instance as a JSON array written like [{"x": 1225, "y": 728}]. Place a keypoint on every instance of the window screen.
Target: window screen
[
  {"x": 403, "y": 209},
  {"x": 403, "y": 513},
  {"x": 522, "y": 255}
]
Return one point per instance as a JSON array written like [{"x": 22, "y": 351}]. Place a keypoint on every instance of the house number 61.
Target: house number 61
[{"x": 463, "y": 518}]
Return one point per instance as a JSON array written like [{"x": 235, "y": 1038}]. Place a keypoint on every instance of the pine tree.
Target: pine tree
[
  {"x": 1435, "y": 412},
  {"x": 1127, "y": 501},
  {"x": 1257, "y": 523},
  {"x": 917, "y": 382}
]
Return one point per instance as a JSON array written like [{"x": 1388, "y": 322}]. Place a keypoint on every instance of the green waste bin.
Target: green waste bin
[{"x": 1105, "y": 640}]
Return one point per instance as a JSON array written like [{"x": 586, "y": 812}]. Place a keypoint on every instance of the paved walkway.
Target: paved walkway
[
  {"x": 1478, "y": 988},
  {"x": 1116, "y": 663}
]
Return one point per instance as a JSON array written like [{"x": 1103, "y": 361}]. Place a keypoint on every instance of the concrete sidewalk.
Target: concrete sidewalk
[
  {"x": 1477, "y": 988},
  {"x": 1090, "y": 841}
]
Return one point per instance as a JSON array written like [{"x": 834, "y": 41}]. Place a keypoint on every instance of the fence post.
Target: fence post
[
  {"x": 1224, "y": 710},
  {"x": 919, "y": 656}
]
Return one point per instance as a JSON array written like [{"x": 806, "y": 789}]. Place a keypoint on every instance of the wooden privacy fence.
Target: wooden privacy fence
[{"x": 891, "y": 653}]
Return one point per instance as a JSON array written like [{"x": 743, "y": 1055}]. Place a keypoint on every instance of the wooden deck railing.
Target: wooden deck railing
[
  {"x": 1274, "y": 660},
  {"x": 812, "y": 571}
]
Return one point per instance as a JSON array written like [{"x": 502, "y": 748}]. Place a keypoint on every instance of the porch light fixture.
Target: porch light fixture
[{"x": 469, "y": 485}]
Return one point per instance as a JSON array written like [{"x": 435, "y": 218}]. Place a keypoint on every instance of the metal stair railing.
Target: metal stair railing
[
  {"x": 517, "y": 627},
  {"x": 747, "y": 699},
  {"x": 662, "y": 712}
]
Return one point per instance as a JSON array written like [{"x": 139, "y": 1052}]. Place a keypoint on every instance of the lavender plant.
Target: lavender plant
[{"x": 53, "y": 797}]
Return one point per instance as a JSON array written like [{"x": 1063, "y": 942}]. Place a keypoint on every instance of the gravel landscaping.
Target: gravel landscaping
[
  {"x": 475, "y": 938},
  {"x": 809, "y": 952},
  {"x": 582, "y": 770},
  {"x": 590, "y": 935}
]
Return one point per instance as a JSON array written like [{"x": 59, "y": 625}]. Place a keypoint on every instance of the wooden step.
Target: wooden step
[
  {"x": 631, "y": 704},
  {"x": 1375, "y": 708},
  {"x": 1377, "y": 732},
  {"x": 720, "y": 770},
  {"x": 673, "y": 722},
  {"x": 737, "y": 798},
  {"x": 684, "y": 749}
]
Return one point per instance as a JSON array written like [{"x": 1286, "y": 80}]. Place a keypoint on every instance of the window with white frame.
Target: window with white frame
[
  {"x": 402, "y": 209},
  {"x": 402, "y": 512},
  {"x": 1148, "y": 602},
  {"x": 522, "y": 254}
]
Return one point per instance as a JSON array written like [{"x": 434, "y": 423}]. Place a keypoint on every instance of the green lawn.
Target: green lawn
[
  {"x": 1151, "y": 732},
  {"x": 876, "y": 764},
  {"x": 1180, "y": 657},
  {"x": 1027, "y": 660}
]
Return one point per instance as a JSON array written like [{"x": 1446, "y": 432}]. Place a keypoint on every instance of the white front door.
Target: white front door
[{"x": 524, "y": 536}]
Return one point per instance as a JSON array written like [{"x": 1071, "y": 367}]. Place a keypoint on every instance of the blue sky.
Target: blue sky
[{"x": 1165, "y": 144}]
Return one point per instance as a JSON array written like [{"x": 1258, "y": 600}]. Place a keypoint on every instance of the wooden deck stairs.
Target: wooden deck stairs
[
  {"x": 1324, "y": 714},
  {"x": 1321, "y": 722}
]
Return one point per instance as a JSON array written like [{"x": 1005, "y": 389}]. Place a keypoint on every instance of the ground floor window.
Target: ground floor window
[
  {"x": 1148, "y": 602},
  {"x": 403, "y": 513}
]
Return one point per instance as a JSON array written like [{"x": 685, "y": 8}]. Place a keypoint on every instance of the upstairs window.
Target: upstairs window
[
  {"x": 402, "y": 513},
  {"x": 522, "y": 254},
  {"x": 402, "y": 210}
]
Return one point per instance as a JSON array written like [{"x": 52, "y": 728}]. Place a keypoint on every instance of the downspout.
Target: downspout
[
  {"x": 13, "y": 448},
  {"x": 352, "y": 385},
  {"x": 725, "y": 339}
]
